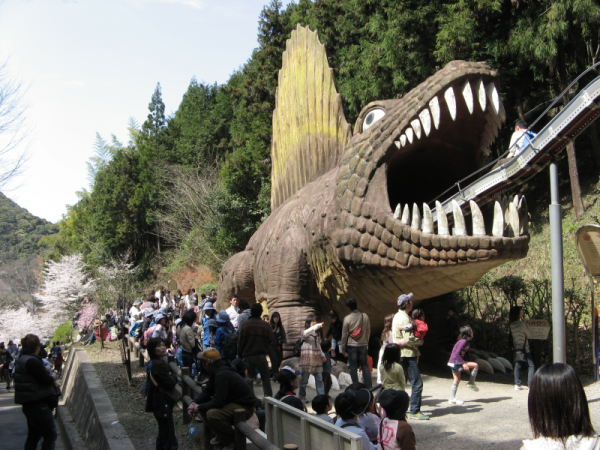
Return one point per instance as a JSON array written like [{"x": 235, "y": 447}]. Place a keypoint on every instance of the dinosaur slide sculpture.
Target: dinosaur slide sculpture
[{"x": 338, "y": 228}]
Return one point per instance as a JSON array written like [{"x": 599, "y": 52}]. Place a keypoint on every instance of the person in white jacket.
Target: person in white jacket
[{"x": 558, "y": 411}]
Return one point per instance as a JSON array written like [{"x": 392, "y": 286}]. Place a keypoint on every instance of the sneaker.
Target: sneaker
[
  {"x": 473, "y": 387},
  {"x": 418, "y": 416},
  {"x": 215, "y": 441},
  {"x": 520, "y": 388},
  {"x": 455, "y": 401}
]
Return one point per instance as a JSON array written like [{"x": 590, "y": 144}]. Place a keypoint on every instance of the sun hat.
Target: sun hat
[
  {"x": 177, "y": 322},
  {"x": 158, "y": 317},
  {"x": 363, "y": 400},
  {"x": 137, "y": 302},
  {"x": 223, "y": 317},
  {"x": 404, "y": 299},
  {"x": 212, "y": 323},
  {"x": 208, "y": 306},
  {"x": 209, "y": 356}
]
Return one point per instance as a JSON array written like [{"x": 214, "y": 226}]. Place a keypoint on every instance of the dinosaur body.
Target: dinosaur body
[{"x": 333, "y": 232}]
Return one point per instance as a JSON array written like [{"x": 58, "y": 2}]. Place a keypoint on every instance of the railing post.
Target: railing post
[
  {"x": 185, "y": 390},
  {"x": 128, "y": 366},
  {"x": 239, "y": 415},
  {"x": 141, "y": 357}
]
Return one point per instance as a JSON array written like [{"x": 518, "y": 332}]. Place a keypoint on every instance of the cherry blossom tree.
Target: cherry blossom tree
[
  {"x": 16, "y": 323},
  {"x": 88, "y": 313}
]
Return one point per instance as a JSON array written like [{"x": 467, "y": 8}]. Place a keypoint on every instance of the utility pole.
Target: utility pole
[{"x": 558, "y": 286}]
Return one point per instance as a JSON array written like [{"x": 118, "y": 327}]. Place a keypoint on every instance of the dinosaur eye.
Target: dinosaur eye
[{"x": 372, "y": 117}]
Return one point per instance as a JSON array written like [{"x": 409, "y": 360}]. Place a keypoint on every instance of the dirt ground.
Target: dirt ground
[{"x": 493, "y": 418}]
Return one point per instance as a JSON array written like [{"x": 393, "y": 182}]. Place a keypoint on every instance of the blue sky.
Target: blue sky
[{"x": 91, "y": 65}]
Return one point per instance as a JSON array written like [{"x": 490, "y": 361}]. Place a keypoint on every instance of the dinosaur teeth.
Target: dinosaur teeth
[
  {"x": 416, "y": 125},
  {"x": 513, "y": 220},
  {"x": 459, "y": 220},
  {"x": 406, "y": 215},
  {"x": 416, "y": 219},
  {"x": 398, "y": 211},
  {"x": 478, "y": 223},
  {"x": 409, "y": 135},
  {"x": 467, "y": 93},
  {"x": 498, "y": 227},
  {"x": 493, "y": 97},
  {"x": 397, "y": 144},
  {"x": 426, "y": 121},
  {"x": 451, "y": 102},
  {"x": 480, "y": 88},
  {"x": 403, "y": 140},
  {"x": 434, "y": 106},
  {"x": 442, "y": 220},
  {"x": 427, "y": 220},
  {"x": 523, "y": 217}
]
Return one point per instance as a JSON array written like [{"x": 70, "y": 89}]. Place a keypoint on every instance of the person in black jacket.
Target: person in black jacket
[
  {"x": 36, "y": 390},
  {"x": 335, "y": 331},
  {"x": 5, "y": 359},
  {"x": 226, "y": 391},
  {"x": 158, "y": 402}
]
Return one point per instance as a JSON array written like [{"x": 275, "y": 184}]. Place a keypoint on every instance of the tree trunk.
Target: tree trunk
[
  {"x": 572, "y": 158},
  {"x": 519, "y": 106}
]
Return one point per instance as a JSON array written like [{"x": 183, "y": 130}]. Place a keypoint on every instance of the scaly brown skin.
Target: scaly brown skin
[{"x": 337, "y": 237}]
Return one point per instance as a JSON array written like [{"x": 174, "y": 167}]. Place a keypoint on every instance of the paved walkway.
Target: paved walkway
[{"x": 13, "y": 426}]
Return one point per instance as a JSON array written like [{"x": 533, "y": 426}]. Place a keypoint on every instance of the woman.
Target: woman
[
  {"x": 289, "y": 381},
  {"x": 390, "y": 369},
  {"x": 520, "y": 337},
  {"x": 208, "y": 312},
  {"x": 335, "y": 331},
  {"x": 276, "y": 348},
  {"x": 187, "y": 339},
  {"x": 387, "y": 337},
  {"x": 558, "y": 411},
  {"x": 311, "y": 356},
  {"x": 457, "y": 363},
  {"x": 158, "y": 402},
  {"x": 224, "y": 329}
]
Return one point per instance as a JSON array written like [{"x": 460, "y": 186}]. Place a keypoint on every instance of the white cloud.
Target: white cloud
[
  {"x": 76, "y": 83},
  {"x": 197, "y": 4}
]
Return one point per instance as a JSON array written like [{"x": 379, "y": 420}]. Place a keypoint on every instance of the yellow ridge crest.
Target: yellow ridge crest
[{"x": 309, "y": 127}]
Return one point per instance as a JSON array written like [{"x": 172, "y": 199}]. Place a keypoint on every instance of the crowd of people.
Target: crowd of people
[{"x": 229, "y": 351}]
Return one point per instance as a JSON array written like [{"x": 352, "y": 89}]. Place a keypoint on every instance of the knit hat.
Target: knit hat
[
  {"x": 404, "y": 299},
  {"x": 394, "y": 402},
  {"x": 223, "y": 317},
  {"x": 210, "y": 356},
  {"x": 207, "y": 306}
]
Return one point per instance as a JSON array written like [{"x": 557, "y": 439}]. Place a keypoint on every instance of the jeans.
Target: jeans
[
  {"x": 518, "y": 366},
  {"x": 276, "y": 357},
  {"x": 357, "y": 356},
  {"x": 40, "y": 424},
  {"x": 304, "y": 382},
  {"x": 259, "y": 362},
  {"x": 409, "y": 364},
  {"x": 166, "y": 439},
  {"x": 187, "y": 359}
]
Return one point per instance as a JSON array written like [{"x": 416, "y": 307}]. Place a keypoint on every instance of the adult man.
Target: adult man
[
  {"x": 519, "y": 139},
  {"x": 225, "y": 391},
  {"x": 194, "y": 297},
  {"x": 256, "y": 336},
  {"x": 232, "y": 311},
  {"x": 454, "y": 323},
  {"x": 35, "y": 389},
  {"x": 244, "y": 312},
  {"x": 410, "y": 353},
  {"x": 356, "y": 331}
]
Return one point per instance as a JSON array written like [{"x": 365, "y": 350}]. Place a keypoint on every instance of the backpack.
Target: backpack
[
  {"x": 297, "y": 348},
  {"x": 148, "y": 334},
  {"x": 230, "y": 348}
]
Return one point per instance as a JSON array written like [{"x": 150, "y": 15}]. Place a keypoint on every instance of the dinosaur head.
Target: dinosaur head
[{"x": 406, "y": 152}]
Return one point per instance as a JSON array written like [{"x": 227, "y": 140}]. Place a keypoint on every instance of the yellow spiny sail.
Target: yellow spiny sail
[{"x": 309, "y": 127}]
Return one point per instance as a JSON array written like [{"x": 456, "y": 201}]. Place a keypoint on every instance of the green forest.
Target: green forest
[{"x": 188, "y": 190}]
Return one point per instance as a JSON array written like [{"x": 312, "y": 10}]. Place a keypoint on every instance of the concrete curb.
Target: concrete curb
[
  {"x": 89, "y": 405},
  {"x": 70, "y": 436}
]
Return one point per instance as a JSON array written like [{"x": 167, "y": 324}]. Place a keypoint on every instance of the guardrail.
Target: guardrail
[{"x": 288, "y": 424}]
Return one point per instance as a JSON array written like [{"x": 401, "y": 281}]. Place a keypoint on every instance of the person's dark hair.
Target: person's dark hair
[
  {"x": 351, "y": 304},
  {"x": 231, "y": 297},
  {"x": 465, "y": 333},
  {"x": 285, "y": 381},
  {"x": 521, "y": 124},
  {"x": 557, "y": 404},
  {"x": 189, "y": 317},
  {"x": 30, "y": 343},
  {"x": 418, "y": 314},
  {"x": 333, "y": 314},
  {"x": 2, "y": 346},
  {"x": 387, "y": 325},
  {"x": 243, "y": 305},
  {"x": 278, "y": 324},
  {"x": 344, "y": 405},
  {"x": 151, "y": 346},
  {"x": 452, "y": 308},
  {"x": 11, "y": 342},
  {"x": 356, "y": 386},
  {"x": 320, "y": 403},
  {"x": 202, "y": 296},
  {"x": 514, "y": 314},
  {"x": 325, "y": 346},
  {"x": 309, "y": 320},
  {"x": 256, "y": 310},
  {"x": 391, "y": 355}
]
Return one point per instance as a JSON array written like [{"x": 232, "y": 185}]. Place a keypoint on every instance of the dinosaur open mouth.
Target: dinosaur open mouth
[{"x": 445, "y": 142}]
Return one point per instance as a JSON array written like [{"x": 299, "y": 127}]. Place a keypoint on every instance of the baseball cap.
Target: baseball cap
[
  {"x": 210, "y": 356},
  {"x": 404, "y": 299}
]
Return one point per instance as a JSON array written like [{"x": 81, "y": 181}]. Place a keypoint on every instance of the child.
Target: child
[
  {"x": 457, "y": 363},
  {"x": 212, "y": 329},
  {"x": 325, "y": 348},
  {"x": 417, "y": 324},
  {"x": 392, "y": 374},
  {"x": 266, "y": 318},
  {"x": 321, "y": 405},
  {"x": 394, "y": 431},
  {"x": 387, "y": 337}
]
